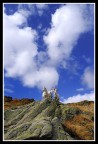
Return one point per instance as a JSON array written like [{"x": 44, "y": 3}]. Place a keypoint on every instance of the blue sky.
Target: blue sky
[{"x": 49, "y": 45}]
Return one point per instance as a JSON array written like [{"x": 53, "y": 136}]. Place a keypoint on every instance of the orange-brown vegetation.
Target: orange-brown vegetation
[
  {"x": 82, "y": 106},
  {"x": 16, "y": 102},
  {"x": 81, "y": 125}
]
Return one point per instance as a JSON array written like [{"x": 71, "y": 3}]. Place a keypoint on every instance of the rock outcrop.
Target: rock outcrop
[{"x": 46, "y": 120}]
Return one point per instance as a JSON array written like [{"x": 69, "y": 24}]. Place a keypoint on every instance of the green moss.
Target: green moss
[
  {"x": 62, "y": 137},
  {"x": 58, "y": 112},
  {"x": 8, "y": 114},
  {"x": 36, "y": 133},
  {"x": 37, "y": 130},
  {"x": 46, "y": 131},
  {"x": 17, "y": 131},
  {"x": 41, "y": 120},
  {"x": 18, "y": 117}
]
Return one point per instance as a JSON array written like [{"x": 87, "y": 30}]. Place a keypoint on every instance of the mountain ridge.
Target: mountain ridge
[{"x": 50, "y": 120}]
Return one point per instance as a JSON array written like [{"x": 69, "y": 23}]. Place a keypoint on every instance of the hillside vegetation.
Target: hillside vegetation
[
  {"x": 49, "y": 120},
  {"x": 10, "y": 103}
]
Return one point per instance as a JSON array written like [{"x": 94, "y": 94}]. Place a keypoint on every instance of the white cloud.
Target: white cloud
[
  {"x": 80, "y": 89},
  {"x": 87, "y": 59},
  {"x": 88, "y": 78},
  {"x": 33, "y": 8},
  {"x": 77, "y": 98},
  {"x": 19, "y": 45},
  {"x": 8, "y": 90},
  {"x": 72, "y": 66},
  {"x": 29, "y": 9},
  {"x": 47, "y": 77},
  {"x": 68, "y": 23},
  {"x": 21, "y": 56},
  {"x": 41, "y": 8}
]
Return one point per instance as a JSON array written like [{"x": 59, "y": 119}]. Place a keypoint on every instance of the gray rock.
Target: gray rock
[
  {"x": 41, "y": 120},
  {"x": 46, "y": 131}
]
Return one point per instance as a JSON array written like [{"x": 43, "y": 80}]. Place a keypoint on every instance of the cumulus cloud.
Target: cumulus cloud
[
  {"x": 22, "y": 58},
  {"x": 28, "y": 8},
  {"x": 41, "y": 8},
  {"x": 19, "y": 45},
  {"x": 88, "y": 77},
  {"x": 33, "y": 8},
  {"x": 79, "y": 97},
  {"x": 45, "y": 76},
  {"x": 68, "y": 23}
]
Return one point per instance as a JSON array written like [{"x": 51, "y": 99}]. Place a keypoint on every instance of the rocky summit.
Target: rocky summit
[{"x": 50, "y": 120}]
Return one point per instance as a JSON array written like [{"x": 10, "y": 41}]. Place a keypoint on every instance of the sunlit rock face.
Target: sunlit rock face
[{"x": 50, "y": 120}]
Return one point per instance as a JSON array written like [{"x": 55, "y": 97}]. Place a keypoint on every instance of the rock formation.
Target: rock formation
[{"x": 49, "y": 120}]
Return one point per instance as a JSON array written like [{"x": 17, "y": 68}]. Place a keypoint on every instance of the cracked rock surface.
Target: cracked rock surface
[{"x": 41, "y": 120}]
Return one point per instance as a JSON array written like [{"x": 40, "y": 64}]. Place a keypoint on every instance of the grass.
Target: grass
[
  {"x": 81, "y": 125},
  {"x": 16, "y": 102},
  {"x": 76, "y": 118}
]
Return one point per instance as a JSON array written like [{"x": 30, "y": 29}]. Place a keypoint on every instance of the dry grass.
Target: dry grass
[
  {"x": 82, "y": 125},
  {"x": 87, "y": 108},
  {"x": 16, "y": 102},
  {"x": 7, "y": 106},
  {"x": 79, "y": 129}
]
